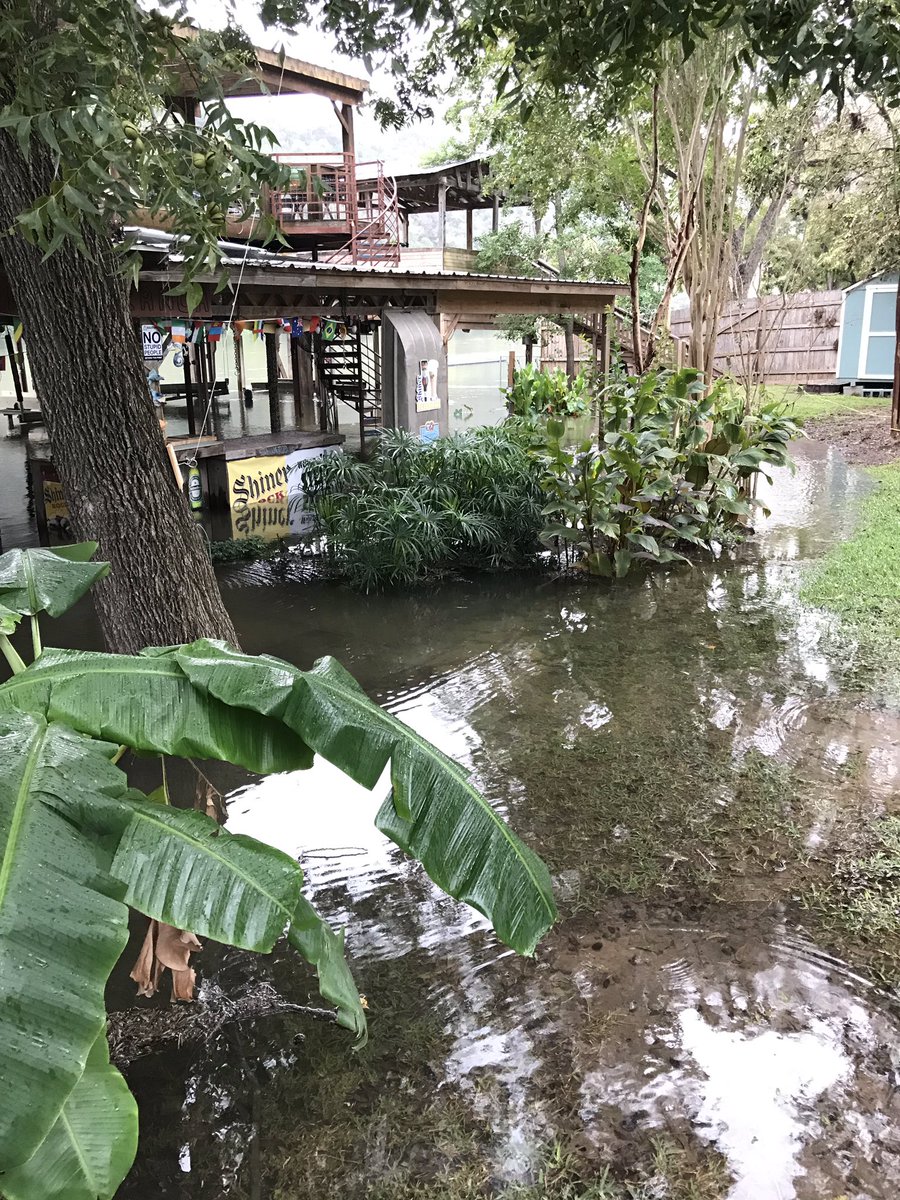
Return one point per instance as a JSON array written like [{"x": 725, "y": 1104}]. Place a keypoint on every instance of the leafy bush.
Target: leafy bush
[
  {"x": 78, "y": 847},
  {"x": 537, "y": 394},
  {"x": 674, "y": 467},
  {"x": 472, "y": 500}
]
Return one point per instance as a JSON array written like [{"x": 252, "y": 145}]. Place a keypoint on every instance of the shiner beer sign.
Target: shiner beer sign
[{"x": 258, "y": 494}]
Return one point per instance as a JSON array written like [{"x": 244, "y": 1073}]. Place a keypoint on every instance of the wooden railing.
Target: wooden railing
[{"x": 322, "y": 191}]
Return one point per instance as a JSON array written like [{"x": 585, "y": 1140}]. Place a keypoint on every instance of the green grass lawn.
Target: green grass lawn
[
  {"x": 860, "y": 579},
  {"x": 806, "y": 406}
]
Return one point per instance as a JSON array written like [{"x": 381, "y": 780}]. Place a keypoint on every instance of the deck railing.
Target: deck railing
[{"x": 322, "y": 191}]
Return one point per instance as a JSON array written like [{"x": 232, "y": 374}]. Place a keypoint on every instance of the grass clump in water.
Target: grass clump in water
[{"x": 859, "y": 579}]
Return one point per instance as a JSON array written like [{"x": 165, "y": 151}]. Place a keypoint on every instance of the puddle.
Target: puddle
[{"x": 686, "y": 749}]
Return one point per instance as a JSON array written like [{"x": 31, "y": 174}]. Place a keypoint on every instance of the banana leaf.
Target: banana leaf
[
  {"x": 324, "y": 949},
  {"x": 61, "y": 930},
  {"x": 147, "y": 703},
  {"x": 433, "y": 813},
  {"x": 92, "y": 1144},
  {"x": 181, "y": 867},
  {"x": 35, "y": 581}
]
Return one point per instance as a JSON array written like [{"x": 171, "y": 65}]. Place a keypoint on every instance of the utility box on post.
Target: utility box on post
[{"x": 414, "y": 375}]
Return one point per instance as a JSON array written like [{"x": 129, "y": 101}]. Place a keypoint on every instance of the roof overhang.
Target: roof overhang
[
  {"x": 266, "y": 292},
  {"x": 277, "y": 76}
]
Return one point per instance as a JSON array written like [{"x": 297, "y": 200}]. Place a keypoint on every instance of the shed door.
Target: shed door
[{"x": 876, "y": 356}]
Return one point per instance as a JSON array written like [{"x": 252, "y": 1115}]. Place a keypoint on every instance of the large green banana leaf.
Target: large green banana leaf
[
  {"x": 321, "y": 946},
  {"x": 36, "y": 581},
  {"x": 181, "y": 867},
  {"x": 91, "y": 1146},
  {"x": 434, "y": 812},
  {"x": 60, "y": 932},
  {"x": 147, "y": 703}
]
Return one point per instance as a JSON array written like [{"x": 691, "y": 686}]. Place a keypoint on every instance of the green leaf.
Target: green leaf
[
  {"x": 8, "y": 620},
  {"x": 60, "y": 933},
  {"x": 622, "y": 560},
  {"x": 324, "y": 949},
  {"x": 433, "y": 813},
  {"x": 77, "y": 551},
  {"x": 91, "y": 1146},
  {"x": 34, "y": 581},
  {"x": 181, "y": 867},
  {"x": 147, "y": 703}
]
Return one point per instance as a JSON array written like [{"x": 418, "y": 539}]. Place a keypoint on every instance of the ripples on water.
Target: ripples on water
[{"x": 708, "y": 1020}]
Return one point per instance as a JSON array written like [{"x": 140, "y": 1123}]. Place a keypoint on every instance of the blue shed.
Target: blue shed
[{"x": 867, "y": 338}]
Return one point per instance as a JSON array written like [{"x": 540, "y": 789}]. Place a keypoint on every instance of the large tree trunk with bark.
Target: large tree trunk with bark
[{"x": 104, "y": 433}]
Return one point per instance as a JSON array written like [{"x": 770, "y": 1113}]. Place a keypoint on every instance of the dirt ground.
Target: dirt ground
[{"x": 863, "y": 437}]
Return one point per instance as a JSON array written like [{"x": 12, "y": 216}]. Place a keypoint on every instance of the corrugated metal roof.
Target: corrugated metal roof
[{"x": 237, "y": 254}]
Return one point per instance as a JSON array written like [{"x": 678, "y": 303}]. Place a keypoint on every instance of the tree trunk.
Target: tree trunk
[{"x": 104, "y": 433}]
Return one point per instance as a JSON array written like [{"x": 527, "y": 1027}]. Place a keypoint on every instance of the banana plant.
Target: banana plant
[{"x": 79, "y": 847}]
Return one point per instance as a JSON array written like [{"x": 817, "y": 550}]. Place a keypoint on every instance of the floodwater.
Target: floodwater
[{"x": 689, "y": 750}]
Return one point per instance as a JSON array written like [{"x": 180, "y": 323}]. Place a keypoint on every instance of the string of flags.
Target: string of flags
[{"x": 329, "y": 328}]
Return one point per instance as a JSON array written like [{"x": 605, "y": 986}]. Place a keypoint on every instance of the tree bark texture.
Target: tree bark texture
[{"x": 104, "y": 433}]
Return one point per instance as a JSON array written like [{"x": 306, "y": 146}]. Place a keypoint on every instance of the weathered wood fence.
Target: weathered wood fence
[{"x": 778, "y": 339}]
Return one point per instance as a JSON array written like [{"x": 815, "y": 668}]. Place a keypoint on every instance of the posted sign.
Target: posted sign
[{"x": 152, "y": 343}]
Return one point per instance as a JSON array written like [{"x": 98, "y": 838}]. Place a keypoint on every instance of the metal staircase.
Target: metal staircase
[
  {"x": 375, "y": 241},
  {"x": 349, "y": 372}
]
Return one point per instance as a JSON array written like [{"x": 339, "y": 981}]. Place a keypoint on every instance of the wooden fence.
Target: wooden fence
[{"x": 778, "y": 339}]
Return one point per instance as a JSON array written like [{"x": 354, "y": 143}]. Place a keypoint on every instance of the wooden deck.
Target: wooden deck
[{"x": 261, "y": 445}]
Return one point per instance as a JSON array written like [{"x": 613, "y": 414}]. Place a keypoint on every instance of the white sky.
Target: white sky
[{"x": 304, "y": 122}]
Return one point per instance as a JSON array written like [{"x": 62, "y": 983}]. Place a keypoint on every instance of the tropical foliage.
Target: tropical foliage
[
  {"x": 78, "y": 847},
  {"x": 536, "y": 393},
  {"x": 415, "y": 510},
  {"x": 673, "y": 468}
]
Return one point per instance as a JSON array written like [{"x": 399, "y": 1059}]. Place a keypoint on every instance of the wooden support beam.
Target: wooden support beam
[
  {"x": 345, "y": 116},
  {"x": 296, "y": 382},
  {"x": 189, "y": 390},
  {"x": 272, "y": 382},
  {"x": 442, "y": 214},
  {"x": 449, "y": 324},
  {"x": 239, "y": 380},
  {"x": 469, "y": 239},
  {"x": 603, "y": 356},
  {"x": 14, "y": 367},
  {"x": 495, "y": 215}
]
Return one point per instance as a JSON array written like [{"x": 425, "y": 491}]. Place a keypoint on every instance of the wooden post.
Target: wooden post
[
  {"x": 296, "y": 382},
  {"x": 14, "y": 367},
  {"x": 272, "y": 382},
  {"x": 603, "y": 346},
  {"x": 189, "y": 389},
  {"x": 470, "y": 242},
  {"x": 348, "y": 141},
  {"x": 239, "y": 378},
  {"x": 895, "y": 394},
  {"x": 495, "y": 215},
  {"x": 511, "y": 369},
  {"x": 213, "y": 374},
  {"x": 442, "y": 214},
  {"x": 529, "y": 349}
]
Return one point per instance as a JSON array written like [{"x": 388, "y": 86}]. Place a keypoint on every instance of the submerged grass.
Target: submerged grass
[{"x": 859, "y": 579}]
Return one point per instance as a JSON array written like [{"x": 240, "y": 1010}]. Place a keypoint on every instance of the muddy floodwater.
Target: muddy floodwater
[{"x": 694, "y": 753}]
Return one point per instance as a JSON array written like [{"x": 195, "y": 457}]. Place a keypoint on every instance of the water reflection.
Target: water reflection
[{"x": 678, "y": 747}]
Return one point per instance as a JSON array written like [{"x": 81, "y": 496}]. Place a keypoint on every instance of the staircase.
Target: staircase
[
  {"x": 349, "y": 372},
  {"x": 375, "y": 241}
]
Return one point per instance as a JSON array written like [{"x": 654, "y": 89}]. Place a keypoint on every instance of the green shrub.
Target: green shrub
[
  {"x": 674, "y": 466},
  {"x": 540, "y": 394},
  {"x": 472, "y": 500}
]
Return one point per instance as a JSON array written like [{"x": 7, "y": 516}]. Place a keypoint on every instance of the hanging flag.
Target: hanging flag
[
  {"x": 314, "y": 323},
  {"x": 17, "y": 332},
  {"x": 215, "y": 332},
  {"x": 342, "y": 331},
  {"x": 272, "y": 326},
  {"x": 197, "y": 335},
  {"x": 329, "y": 331},
  {"x": 297, "y": 327},
  {"x": 239, "y": 326},
  {"x": 178, "y": 334}
]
